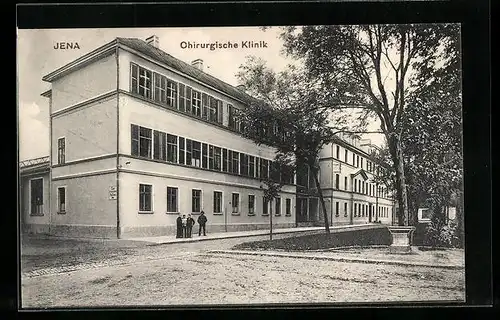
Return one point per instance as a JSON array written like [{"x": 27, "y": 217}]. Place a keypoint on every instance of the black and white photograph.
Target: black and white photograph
[{"x": 249, "y": 165}]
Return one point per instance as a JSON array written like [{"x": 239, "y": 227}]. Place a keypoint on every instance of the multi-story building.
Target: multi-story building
[
  {"x": 347, "y": 178},
  {"x": 138, "y": 136}
]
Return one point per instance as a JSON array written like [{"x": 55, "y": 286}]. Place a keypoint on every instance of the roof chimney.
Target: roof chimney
[
  {"x": 154, "y": 41},
  {"x": 198, "y": 64}
]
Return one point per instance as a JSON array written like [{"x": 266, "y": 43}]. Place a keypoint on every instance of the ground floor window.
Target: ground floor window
[
  {"x": 217, "y": 202},
  {"x": 196, "y": 200},
  {"x": 36, "y": 201},
  {"x": 337, "y": 209},
  {"x": 345, "y": 209},
  {"x": 61, "y": 199},
  {"x": 265, "y": 206},
  {"x": 288, "y": 207},
  {"x": 251, "y": 204},
  {"x": 145, "y": 198},
  {"x": 172, "y": 199},
  {"x": 235, "y": 202},
  {"x": 277, "y": 206}
]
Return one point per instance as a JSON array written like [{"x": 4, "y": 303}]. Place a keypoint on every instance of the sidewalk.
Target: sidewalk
[{"x": 242, "y": 234}]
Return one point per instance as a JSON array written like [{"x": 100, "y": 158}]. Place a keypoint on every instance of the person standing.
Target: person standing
[
  {"x": 189, "y": 225},
  {"x": 202, "y": 221},
  {"x": 184, "y": 225},
  {"x": 179, "y": 226}
]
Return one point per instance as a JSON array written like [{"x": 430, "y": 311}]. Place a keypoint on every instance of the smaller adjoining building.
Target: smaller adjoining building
[{"x": 351, "y": 192}]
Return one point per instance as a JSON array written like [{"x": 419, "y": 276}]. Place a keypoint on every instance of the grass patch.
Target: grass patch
[{"x": 362, "y": 238}]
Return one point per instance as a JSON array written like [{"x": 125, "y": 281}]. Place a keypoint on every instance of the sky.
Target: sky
[{"x": 36, "y": 57}]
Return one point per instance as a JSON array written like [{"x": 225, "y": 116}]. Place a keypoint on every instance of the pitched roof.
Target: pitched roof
[{"x": 179, "y": 65}]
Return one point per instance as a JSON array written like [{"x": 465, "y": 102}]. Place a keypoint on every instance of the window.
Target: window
[
  {"x": 61, "y": 199},
  {"x": 362, "y": 187},
  {"x": 288, "y": 207},
  {"x": 265, "y": 207},
  {"x": 361, "y": 163},
  {"x": 225, "y": 160},
  {"x": 172, "y": 199},
  {"x": 345, "y": 155},
  {"x": 337, "y": 181},
  {"x": 235, "y": 202},
  {"x": 160, "y": 87},
  {"x": 243, "y": 164},
  {"x": 251, "y": 166},
  {"x": 172, "y": 94},
  {"x": 182, "y": 97},
  {"x": 182, "y": 154},
  {"x": 204, "y": 162},
  {"x": 196, "y": 200},
  {"x": 251, "y": 204},
  {"x": 231, "y": 118},
  {"x": 353, "y": 159},
  {"x": 337, "y": 209},
  {"x": 145, "y": 195},
  {"x": 172, "y": 148},
  {"x": 355, "y": 209},
  {"x": 159, "y": 151},
  {"x": 141, "y": 141},
  {"x": 338, "y": 152},
  {"x": 219, "y": 111},
  {"x": 188, "y": 99},
  {"x": 236, "y": 161},
  {"x": 205, "y": 106},
  {"x": 145, "y": 83},
  {"x": 36, "y": 195},
  {"x": 355, "y": 185},
  {"x": 196, "y": 103},
  {"x": 134, "y": 74},
  {"x": 362, "y": 210},
  {"x": 217, "y": 202},
  {"x": 61, "y": 150},
  {"x": 212, "y": 114},
  {"x": 264, "y": 169},
  {"x": 345, "y": 209},
  {"x": 357, "y": 161},
  {"x": 217, "y": 158},
  {"x": 345, "y": 183},
  {"x": 277, "y": 205},
  {"x": 195, "y": 153}
]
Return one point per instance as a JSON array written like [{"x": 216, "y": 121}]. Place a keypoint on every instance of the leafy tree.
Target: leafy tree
[
  {"x": 432, "y": 143},
  {"x": 373, "y": 69},
  {"x": 285, "y": 115}
]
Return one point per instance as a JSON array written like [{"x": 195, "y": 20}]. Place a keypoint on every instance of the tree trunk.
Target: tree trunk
[
  {"x": 401, "y": 194},
  {"x": 321, "y": 199}
]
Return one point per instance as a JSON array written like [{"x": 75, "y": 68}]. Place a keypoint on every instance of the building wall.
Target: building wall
[
  {"x": 142, "y": 113},
  {"x": 185, "y": 179},
  {"x": 89, "y": 131},
  {"x": 330, "y": 166},
  {"x": 88, "y": 82},
  {"x": 35, "y": 223},
  {"x": 125, "y": 58},
  {"x": 89, "y": 211}
]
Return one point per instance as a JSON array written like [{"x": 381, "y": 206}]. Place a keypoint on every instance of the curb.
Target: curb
[
  {"x": 346, "y": 228},
  {"x": 315, "y": 257},
  {"x": 229, "y": 236}
]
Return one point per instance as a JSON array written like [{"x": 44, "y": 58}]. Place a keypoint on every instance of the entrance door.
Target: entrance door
[{"x": 36, "y": 192}]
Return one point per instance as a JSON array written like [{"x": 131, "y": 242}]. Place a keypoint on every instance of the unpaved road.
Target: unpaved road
[{"x": 189, "y": 274}]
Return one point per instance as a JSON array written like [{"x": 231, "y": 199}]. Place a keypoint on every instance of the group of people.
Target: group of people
[{"x": 185, "y": 225}]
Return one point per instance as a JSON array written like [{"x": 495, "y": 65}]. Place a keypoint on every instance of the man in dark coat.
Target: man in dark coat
[
  {"x": 202, "y": 220},
  {"x": 189, "y": 225},
  {"x": 179, "y": 227}
]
